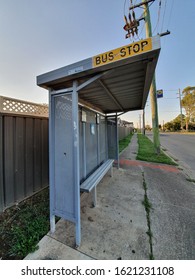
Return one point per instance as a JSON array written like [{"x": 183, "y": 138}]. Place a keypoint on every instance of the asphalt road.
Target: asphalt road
[{"x": 181, "y": 147}]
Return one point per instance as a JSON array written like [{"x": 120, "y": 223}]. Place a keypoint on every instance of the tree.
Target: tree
[
  {"x": 169, "y": 126},
  {"x": 188, "y": 90},
  {"x": 175, "y": 124},
  {"x": 188, "y": 103},
  {"x": 178, "y": 118},
  {"x": 148, "y": 127}
]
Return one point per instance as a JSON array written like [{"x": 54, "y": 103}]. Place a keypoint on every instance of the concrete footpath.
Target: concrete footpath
[{"x": 117, "y": 227}]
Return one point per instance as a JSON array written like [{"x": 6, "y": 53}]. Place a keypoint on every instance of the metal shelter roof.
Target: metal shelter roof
[{"x": 116, "y": 81}]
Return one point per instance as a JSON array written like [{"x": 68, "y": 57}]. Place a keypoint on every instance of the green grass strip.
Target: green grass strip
[
  {"x": 125, "y": 142},
  {"x": 146, "y": 152},
  {"x": 190, "y": 180},
  {"x": 22, "y": 226}
]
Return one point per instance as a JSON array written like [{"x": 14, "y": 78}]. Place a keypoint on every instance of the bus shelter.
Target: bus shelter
[{"x": 85, "y": 100}]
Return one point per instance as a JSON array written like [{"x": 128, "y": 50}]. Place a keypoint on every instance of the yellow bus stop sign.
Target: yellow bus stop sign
[{"x": 123, "y": 52}]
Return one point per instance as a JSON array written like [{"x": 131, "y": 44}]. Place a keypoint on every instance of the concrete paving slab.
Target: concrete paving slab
[
  {"x": 51, "y": 249},
  {"x": 131, "y": 151},
  {"x": 115, "y": 229},
  {"x": 173, "y": 237},
  {"x": 172, "y": 215},
  {"x": 168, "y": 188}
]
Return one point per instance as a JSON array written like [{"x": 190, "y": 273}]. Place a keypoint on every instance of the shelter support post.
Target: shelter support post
[
  {"x": 117, "y": 141},
  {"x": 106, "y": 138},
  {"x": 52, "y": 223},
  {"x": 76, "y": 161},
  {"x": 84, "y": 151},
  {"x": 94, "y": 194},
  {"x": 51, "y": 163},
  {"x": 98, "y": 141},
  {"x": 112, "y": 138},
  {"x": 1, "y": 165}
]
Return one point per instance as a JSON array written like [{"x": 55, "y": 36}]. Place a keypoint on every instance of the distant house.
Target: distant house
[{"x": 125, "y": 123}]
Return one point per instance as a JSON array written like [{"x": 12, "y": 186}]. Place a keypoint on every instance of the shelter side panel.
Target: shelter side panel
[{"x": 64, "y": 192}]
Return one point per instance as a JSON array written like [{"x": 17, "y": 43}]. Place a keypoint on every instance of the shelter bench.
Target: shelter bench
[{"x": 92, "y": 181}]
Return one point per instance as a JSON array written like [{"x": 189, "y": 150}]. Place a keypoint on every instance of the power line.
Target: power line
[
  {"x": 158, "y": 20},
  {"x": 169, "y": 98},
  {"x": 125, "y": 2},
  {"x": 169, "y": 111},
  {"x": 164, "y": 15},
  {"x": 170, "y": 16},
  {"x": 170, "y": 89}
]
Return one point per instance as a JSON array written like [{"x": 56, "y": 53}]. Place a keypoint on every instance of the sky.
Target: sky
[{"x": 38, "y": 36}]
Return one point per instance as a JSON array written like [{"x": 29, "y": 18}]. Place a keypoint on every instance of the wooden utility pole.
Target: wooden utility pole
[
  {"x": 144, "y": 132},
  {"x": 140, "y": 121},
  {"x": 153, "y": 97},
  {"x": 181, "y": 116}
]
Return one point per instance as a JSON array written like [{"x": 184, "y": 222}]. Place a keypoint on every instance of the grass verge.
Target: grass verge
[
  {"x": 22, "y": 226},
  {"x": 125, "y": 142},
  {"x": 190, "y": 180},
  {"x": 146, "y": 152}
]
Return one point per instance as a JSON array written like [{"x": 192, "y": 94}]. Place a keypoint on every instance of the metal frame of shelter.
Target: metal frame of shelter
[{"x": 108, "y": 84}]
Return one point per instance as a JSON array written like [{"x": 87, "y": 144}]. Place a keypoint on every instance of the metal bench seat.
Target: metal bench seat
[{"x": 92, "y": 181}]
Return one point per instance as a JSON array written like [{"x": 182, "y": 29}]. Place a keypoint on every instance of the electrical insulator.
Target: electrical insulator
[
  {"x": 130, "y": 20},
  {"x": 131, "y": 24},
  {"x": 133, "y": 14},
  {"x": 126, "y": 27},
  {"x": 125, "y": 18}
]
